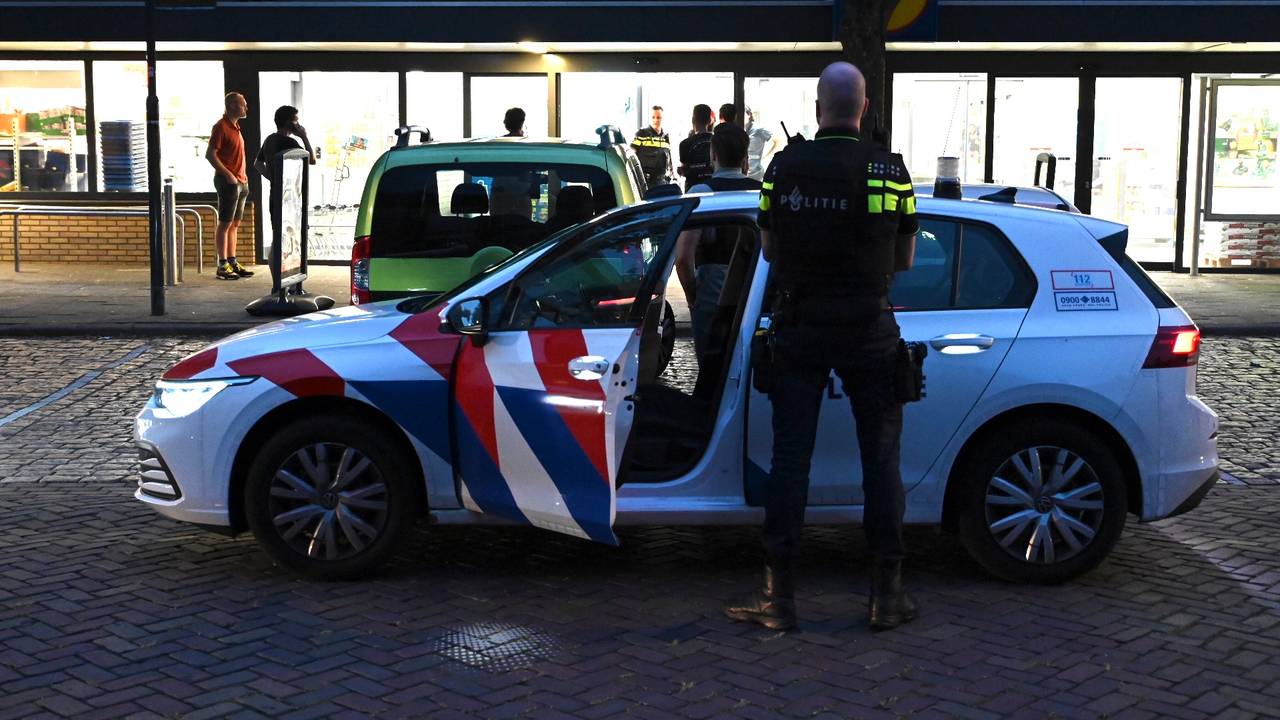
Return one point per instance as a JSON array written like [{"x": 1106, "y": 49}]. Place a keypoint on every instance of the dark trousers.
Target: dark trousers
[{"x": 863, "y": 358}]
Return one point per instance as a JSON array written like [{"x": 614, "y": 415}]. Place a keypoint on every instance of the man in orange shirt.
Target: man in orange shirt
[{"x": 226, "y": 155}]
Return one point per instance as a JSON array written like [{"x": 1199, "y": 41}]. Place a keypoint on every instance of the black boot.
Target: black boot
[
  {"x": 772, "y": 606},
  {"x": 890, "y": 606}
]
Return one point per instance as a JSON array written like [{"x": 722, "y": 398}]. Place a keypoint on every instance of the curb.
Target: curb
[
  {"x": 1263, "y": 330},
  {"x": 137, "y": 329}
]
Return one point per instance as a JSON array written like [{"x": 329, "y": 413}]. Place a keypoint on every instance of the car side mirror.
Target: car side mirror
[{"x": 467, "y": 317}]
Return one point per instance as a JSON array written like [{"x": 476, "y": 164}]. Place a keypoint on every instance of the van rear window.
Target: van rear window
[{"x": 456, "y": 210}]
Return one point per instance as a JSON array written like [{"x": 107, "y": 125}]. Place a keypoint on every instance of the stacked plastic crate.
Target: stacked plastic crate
[{"x": 124, "y": 155}]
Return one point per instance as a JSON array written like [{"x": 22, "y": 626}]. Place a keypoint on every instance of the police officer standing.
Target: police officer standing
[
  {"x": 653, "y": 149},
  {"x": 838, "y": 216}
]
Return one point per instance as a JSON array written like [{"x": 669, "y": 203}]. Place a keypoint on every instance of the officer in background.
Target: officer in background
[
  {"x": 653, "y": 149},
  {"x": 838, "y": 219}
]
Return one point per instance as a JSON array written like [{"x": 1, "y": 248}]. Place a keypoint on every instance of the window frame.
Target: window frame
[
  {"x": 505, "y": 299},
  {"x": 1000, "y": 238}
]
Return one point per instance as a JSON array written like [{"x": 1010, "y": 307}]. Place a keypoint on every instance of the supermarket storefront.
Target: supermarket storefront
[{"x": 1174, "y": 111}]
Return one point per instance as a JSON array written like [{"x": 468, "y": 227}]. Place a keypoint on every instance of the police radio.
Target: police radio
[{"x": 797, "y": 138}]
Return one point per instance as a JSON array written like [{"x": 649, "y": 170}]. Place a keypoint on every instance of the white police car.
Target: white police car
[{"x": 1061, "y": 399}]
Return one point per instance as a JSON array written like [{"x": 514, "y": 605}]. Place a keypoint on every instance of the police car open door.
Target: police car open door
[{"x": 544, "y": 405}]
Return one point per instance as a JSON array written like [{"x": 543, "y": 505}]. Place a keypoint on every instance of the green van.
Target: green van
[{"x": 435, "y": 214}]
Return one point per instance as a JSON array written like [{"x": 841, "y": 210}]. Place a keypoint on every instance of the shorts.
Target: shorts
[{"x": 231, "y": 199}]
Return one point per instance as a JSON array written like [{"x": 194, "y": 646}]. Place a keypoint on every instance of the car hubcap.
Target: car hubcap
[
  {"x": 328, "y": 501},
  {"x": 1044, "y": 505}
]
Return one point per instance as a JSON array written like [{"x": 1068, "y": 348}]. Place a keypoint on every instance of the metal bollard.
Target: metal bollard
[
  {"x": 169, "y": 214},
  {"x": 181, "y": 243}
]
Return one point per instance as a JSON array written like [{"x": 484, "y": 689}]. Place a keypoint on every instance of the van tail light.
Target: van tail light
[
  {"x": 360, "y": 253},
  {"x": 1174, "y": 347}
]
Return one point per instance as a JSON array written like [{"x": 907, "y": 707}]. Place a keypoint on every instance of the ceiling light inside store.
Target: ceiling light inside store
[{"x": 530, "y": 46}]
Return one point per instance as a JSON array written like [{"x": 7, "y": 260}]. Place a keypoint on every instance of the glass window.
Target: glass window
[
  {"x": 1135, "y": 164},
  {"x": 991, "y": 273},
  {"x": 457, "y": 210},
  {"x": 350, "y": 118},
  {"x": 43, "y": 137},
  {"x": 772, "y": 103},
  {"x": 1033, "y": 116},
  {"x": 435, "y": 101},
  {"x": 1244, "y": 136},
  {"x": 492, "y": 96},
  {"x": 961, "y": 266},
  {"x": 590, "y": 99},
  {"x": 928, "y": 284},
  {"x": 599, "y": 282},
  {"x": 186, "y": 118},
  {"x": 940, "y": 115}
]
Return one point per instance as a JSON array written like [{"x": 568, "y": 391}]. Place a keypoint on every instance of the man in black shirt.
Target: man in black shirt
[
  {"x": 703, "y": 256},
  {"x": 282, "y": 139},
  {"x": 695, "y": 150}
]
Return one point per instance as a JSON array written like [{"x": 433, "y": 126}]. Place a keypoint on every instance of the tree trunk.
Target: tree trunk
[{"x": 862, "y": 42}]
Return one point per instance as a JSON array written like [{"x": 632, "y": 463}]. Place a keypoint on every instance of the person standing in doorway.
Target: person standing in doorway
[
  {"x": 695, "y": 150},
  {"x": 514, "y": 122},
  {"x": 837, "y": 218},
  {"x": 761, "y": 145},
  {"x": 653, "y": 149},
  {"x": 231, "y": 181},
  {"x": 728, "y": 116},
  {"x": 287, "y": 128}
]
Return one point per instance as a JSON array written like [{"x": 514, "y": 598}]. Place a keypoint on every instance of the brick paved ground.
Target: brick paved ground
[{"x": 107, "y": 610}]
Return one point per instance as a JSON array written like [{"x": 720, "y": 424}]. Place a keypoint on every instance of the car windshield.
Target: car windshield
[
  {"x": 423, "y": 303},
  {"x": 458, "y": 209}
]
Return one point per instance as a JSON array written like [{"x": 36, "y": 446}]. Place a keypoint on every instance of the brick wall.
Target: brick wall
[{"x": 120, "y": 240}]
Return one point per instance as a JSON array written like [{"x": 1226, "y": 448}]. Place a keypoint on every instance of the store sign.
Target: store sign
[
  {"x": 914, "y": 20},
  {"x": 1243, "y": 178}
]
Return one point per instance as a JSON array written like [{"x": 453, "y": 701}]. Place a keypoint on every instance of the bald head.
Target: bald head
[{"x": 842, "y": 96}]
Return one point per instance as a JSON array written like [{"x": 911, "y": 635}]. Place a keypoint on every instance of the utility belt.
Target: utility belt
[
  {"x": 809, "y": 309},
  {"x": 908, "y": 368}
]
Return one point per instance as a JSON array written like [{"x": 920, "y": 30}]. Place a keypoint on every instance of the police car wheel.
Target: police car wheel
[
  {"x": 329, "y": 497},
  {"x": 1041, "y": 502}
]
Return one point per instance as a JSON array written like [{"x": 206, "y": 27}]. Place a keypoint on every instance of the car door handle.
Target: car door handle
[
  {"x": 588, "y": 367},
  {"x": 968, "y": 340}
]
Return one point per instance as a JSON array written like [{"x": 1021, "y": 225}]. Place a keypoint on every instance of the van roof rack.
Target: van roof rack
[
  {"x": 403, "y": 134},
  {"x": 610, "y": 135}
]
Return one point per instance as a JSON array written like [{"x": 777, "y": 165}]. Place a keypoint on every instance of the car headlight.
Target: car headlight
[{"x": 183, "y": 397}]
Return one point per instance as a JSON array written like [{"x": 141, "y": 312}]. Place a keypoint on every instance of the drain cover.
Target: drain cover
[{"x": 497, "y": 646}]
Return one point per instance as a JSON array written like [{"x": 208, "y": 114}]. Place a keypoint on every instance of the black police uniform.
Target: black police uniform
[
  {"x": 836, "y": 207},
  {"x": 653, "y": 149}
]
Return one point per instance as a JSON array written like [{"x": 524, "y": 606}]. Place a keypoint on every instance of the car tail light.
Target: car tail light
[
  {"x": 360, "y": 270},
  {"x": 1174, "y": 347}
]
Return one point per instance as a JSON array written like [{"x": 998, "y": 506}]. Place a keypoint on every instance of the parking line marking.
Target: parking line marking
[{"x": 76, "y": 384}]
